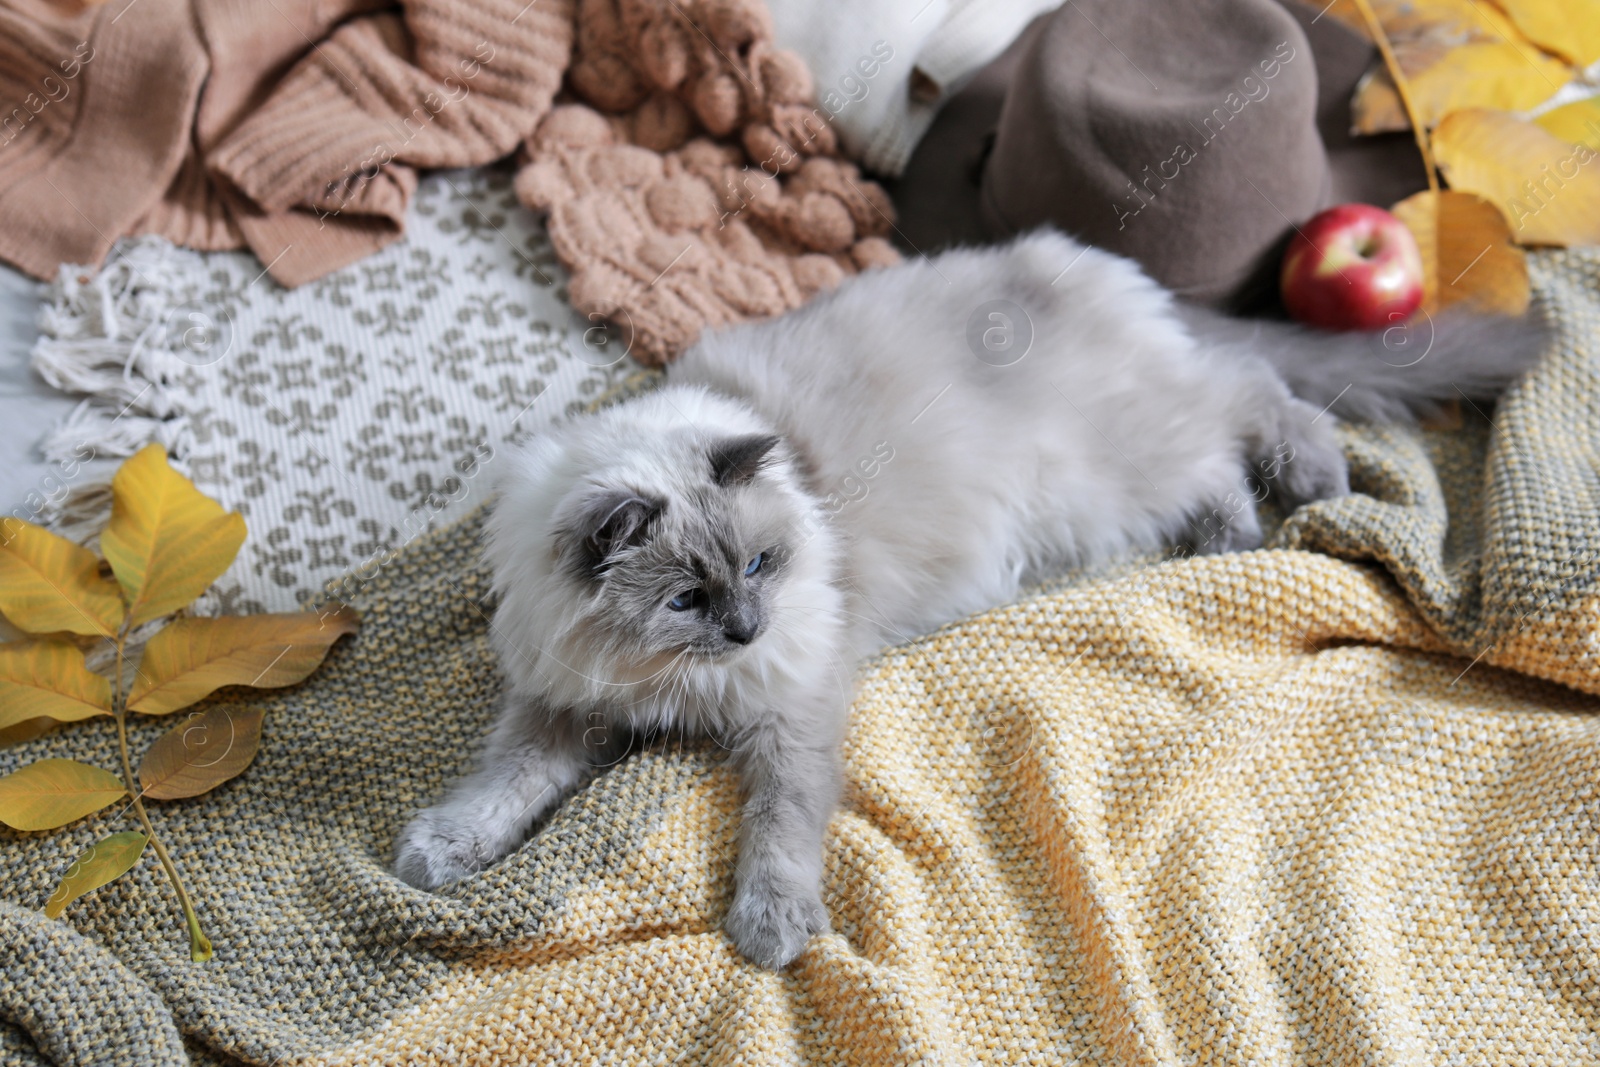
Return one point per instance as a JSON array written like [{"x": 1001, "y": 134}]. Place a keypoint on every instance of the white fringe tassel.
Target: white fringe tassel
[{"x": 113, "y": 336}]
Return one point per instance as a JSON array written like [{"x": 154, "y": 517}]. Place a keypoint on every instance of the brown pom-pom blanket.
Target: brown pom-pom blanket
[{"x": 668, "y": 229}]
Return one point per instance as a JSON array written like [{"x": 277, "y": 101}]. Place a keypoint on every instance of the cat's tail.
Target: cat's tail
[{"x": 1393, "y": 375}]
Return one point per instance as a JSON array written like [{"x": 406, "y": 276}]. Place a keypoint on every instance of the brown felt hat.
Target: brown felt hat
[
  {"x": 1136, "y": 126},
  {"x": 1185, "y": 136}
]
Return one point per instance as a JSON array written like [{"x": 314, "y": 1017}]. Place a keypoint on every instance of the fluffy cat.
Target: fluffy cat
[{"x": 715, "y": 557}]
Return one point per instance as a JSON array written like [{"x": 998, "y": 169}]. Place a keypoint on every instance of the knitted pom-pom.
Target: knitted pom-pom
[
  {"x": 733, "y": 23},
  {"x": 868, "y": 206},
  {"x": 624, "y": 165},
  {"x": 672, "y": 251},
  {"x": 819, "y": 221},
  {"x": 708, "y": 158},
  {"x": 870, "y": 252},
  {"x": 542, "y": 185},
  {"x": 662, "y": 123},
  {"x": 607, "y": 82},
  {"x": 741, "y": 244},
  {"x": 718, "y": 102},
  {"x": 815, "y": 274},
  {"x": 747, "y": 189},
  {"x": 599, "y": 288},
  {"x": 664, "y": 53},
  {"x": 600, "y": 26},
  {"x": 573, "y": 126},
  {"x": 819, "y": 175},
  {"x": 753, "y": 293},
  {"x": 805, "y": 129},
  {"x": 784, "y": 77},
  {"x": 682, "y": 202},
  {"x": 769, "y": 151}
]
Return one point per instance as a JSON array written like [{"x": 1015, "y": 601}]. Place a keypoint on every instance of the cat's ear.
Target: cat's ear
[
  {"x": 735, "y": 460},
  {"x": 613, "y": 521}
]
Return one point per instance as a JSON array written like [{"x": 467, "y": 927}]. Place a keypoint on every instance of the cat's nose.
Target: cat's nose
[{"x": 740, "y": 629}]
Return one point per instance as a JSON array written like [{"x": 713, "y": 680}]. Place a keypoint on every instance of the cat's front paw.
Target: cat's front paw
[
  {"x": 437, "y": 848},
  {"x": 772, "y": 920}
]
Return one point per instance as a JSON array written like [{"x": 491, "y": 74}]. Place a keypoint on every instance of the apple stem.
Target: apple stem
[{"x": 1381, "y": 39}]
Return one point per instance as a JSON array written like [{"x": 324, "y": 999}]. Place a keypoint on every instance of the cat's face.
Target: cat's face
[{"x": 688, "y": 569}]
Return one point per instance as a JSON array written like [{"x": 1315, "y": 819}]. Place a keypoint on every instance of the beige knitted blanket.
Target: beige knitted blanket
[{"x": 1279, "y": 807}]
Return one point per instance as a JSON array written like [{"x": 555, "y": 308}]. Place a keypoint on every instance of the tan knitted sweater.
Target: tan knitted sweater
[
  {"x": 295, "y": 127},
  {"x": 292, "y": 127}
]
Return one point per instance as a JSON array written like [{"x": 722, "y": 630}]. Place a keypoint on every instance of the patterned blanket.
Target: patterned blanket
[
  {"x": 342, "y": 418},
  {"x": 1331, "y": 802}
]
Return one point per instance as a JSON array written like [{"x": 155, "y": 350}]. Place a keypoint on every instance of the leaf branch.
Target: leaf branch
[
  {"x": 1381, "y": 39},
  {"x": 199, "y": 944},
  {"x": 166, "y": 544}
]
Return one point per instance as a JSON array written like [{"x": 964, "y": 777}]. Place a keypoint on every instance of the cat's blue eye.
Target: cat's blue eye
[
  {"x": 754, "y": 565},
  {"x": 683, "y": 601}
]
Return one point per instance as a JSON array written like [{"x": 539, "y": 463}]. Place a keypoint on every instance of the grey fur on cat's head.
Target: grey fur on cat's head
[
  {"x": 620, "y": 547},
  {"x": 684, "y": 568}
]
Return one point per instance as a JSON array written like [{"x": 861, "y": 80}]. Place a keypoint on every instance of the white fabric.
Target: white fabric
[
  {"x": 28, "y": 406},
  {"x": 946, "y": 40},
  {"x": 341, "y": 418}
]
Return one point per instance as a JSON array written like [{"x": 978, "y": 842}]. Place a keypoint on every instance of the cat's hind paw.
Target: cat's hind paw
[
  {"x": 771, "y": 921},
  {"x": 1307, "y": 464}
]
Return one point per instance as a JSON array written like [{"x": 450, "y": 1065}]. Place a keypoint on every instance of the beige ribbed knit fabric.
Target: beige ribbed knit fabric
[{"x": 292, "y": 126}]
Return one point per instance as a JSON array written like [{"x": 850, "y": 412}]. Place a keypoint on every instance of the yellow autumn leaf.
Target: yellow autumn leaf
[
  {"x": 1548, "y": 190},
  {"x": 1452, "y": 53},
  {"x": 106, "y": 860},
  {"x": 49, "y": 678},
  {"x": 1485, "y": 74},
  {"x": 50, "y": 585},
  {"x": 1415, "y": 23},
  {"x": 1576, "y": 123},
  {"x": 192, "y": 658},
  {"x": 1467, "y": 253},
  {"x": 167, "y": 541},
  {"x": 27, "y": 731},
  {"x": 1567, "y": 28},
  {"x": 54, "y": 792},
  {"x": 196, "y": 756}
]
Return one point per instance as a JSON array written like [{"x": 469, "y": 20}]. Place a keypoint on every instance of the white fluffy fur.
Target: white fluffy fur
[
  {"x": 541, "y": 629},
  {"x": 1112, "y": 432}
]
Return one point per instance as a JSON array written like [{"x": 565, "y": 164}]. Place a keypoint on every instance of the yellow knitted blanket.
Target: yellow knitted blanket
[{"x": 1269, "y": 808}]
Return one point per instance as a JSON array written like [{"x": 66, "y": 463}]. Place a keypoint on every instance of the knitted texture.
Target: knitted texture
[
  {"x": 295, "y": 127},
  {"x": 695, "y": 185},
  {"x": 1274, "y": 807}
]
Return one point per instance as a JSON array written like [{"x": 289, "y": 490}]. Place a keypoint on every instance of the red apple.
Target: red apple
[{"x": 1353, "y": 267}]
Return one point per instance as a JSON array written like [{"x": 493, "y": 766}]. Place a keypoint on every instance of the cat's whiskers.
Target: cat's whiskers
[
  {"x": 587, "y": 676},
  {"x": 681, "y": 720},
  {"x": 666, "y": 672}
]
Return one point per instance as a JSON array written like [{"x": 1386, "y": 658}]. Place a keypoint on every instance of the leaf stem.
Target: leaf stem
[
  {"x": 1381, "y": 39},
  {"x": 199, "y": 944}
]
